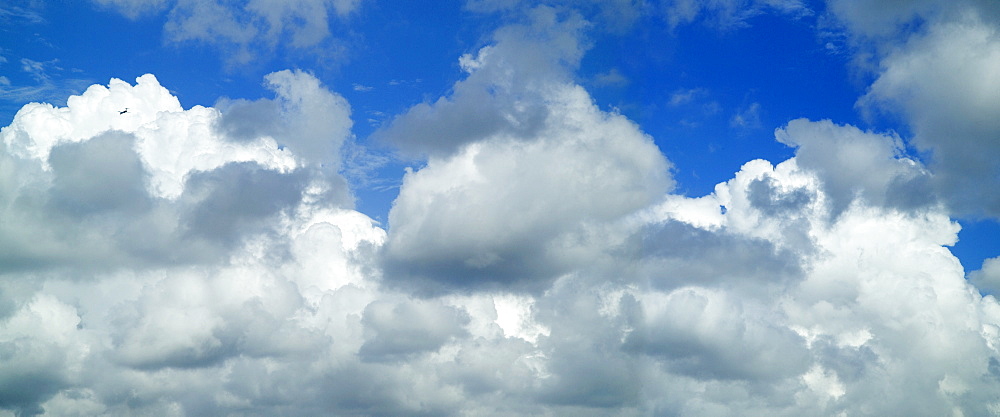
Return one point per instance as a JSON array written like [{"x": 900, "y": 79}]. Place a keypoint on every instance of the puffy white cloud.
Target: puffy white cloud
[
  {"x": 41, "y": 354},
  {"x": 399, "y": 329},
  {"x": 987, "y": 278},
  {"x": 306, "y": 117},
  {"x": 505, "y": 93},
  {"x": 506, "y": 210},
  {"x": 766, "y": 297},
  {"x": 505, "y": 206},
  {"x": 692, "y": 331},
  {"x": 933, "y": 64},
  {"x": 123, "y": 174},
  {"x": 856, "y": 164},
  {"x": 209, "y": 272},
  {"x": 944, "y": 82}
]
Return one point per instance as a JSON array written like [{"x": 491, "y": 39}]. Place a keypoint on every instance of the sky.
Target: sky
[{"x": 500, "y": 208}]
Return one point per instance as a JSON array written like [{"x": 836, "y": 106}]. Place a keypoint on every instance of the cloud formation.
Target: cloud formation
[
  {"x": 938, "y": 78},
  {"x": 157, "y": 260},
  {"x": 773, "y": 291},
  {"x": 123, "y": 174}
]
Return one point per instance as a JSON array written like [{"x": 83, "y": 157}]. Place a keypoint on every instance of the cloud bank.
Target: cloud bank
[{"x": 158, "y": 260}]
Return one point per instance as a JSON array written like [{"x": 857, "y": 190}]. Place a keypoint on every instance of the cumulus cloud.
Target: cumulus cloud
[
  {"x": 931, "y": 62},
  {"x": 856, "y": 164},
  {"x": 987, "y": 279},
  {"x": 505, "y": 90},
  {"x": 505, "y": 204},
  {"x": 768, "y": 296},
  {"x": 941, "y": 81},
  {"x": 206, "y": 261},
  {"x": 123, "y": 174}
]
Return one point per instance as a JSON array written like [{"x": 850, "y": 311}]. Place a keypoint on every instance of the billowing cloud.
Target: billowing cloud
[
  {"x": 506, "y": 205},
  {"x": 505, "y": 92},
  {"x": 123, "y": 174},
  {"x": 933, "y": 64},
  {"x": 856, "y": 164},
  {"x": 944, "y": 82},
  {"x": 987, "y": 279},
  {"x": 207, "y": 261},
  {"x": 780, "y": 293}
]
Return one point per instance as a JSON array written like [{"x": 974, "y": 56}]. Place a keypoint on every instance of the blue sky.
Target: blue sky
[
  {"x": 387, "y": 57},
  {"x": 499, "y": 207}
]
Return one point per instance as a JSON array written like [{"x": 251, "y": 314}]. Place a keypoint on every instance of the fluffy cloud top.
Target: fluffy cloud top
[
  {"x": 123, "y": 174},
  {"x": 505, "y": 93},
  {"x": 506, "y": 206}
]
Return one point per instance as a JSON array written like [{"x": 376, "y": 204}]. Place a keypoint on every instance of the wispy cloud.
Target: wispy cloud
[
  {"x": 611, "y": 78},
  {"x": 361, "y": 87},
  {"x": 747, "y": 117},
  {"x": 46, "y": 86},
  {"x": 20, "y": 14},
  {"x": 246, "y": 32},
  {"x": 685, "y": 96}
]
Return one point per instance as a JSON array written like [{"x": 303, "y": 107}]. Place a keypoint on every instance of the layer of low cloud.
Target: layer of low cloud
[
  {"x": 777, "y": 294},
  {"x": 207, "y": 261}
]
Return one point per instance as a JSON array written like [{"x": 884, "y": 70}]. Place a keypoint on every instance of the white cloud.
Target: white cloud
[
  {"x": 747, "y": 117},
  {"x": 727, "y": 14},
  {"x": 521, "y": 163},
  {"x": 243, "y": 30},
  {"x": 611, "y": 78},
  {"x": 987, "y": 278},
  {"x": 944, "y": 83},
  {"x": 500, "y": 211},
  {"x": 932, "y": 63},
  {"x": 611, "y": 15},
  {"x": 16, "y": 13},
  {"x": 134, "y": 8},
  {"x": 166, "y": 261},
  {"x": 504, "y": 93},
  {"x": 101, "y": 186},
  {"x": 685, "y": 95},
  {"x": 856, "y": 164},
  {"x": 755, "y": 299},
  {"x": 172, "y": 142}
]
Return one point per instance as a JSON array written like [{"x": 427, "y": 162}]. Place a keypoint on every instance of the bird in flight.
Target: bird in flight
[{"x": 123, "y": 111}]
